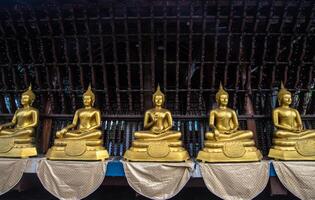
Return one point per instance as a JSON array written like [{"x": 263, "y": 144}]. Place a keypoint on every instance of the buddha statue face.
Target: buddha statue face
[
  {"x": 88, "y": 97},
  {"x": 223, "y": 100},
  {"x": 286, "y": 100},
  {"x": 158, "y": 100},
  {"x": 28, "y": 97},
  {"x": 158, "y": 97},
  {"x": 284, "y": 96},
  {"x": 25, "y": 100},
  {"x": 87, "y": 101},
  {"x": 222, "y": 97}
]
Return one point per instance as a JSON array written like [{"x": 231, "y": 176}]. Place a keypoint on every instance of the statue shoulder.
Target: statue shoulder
[
  {"x": 166, "y": 111},
  {"x": 18, "y": 110},
  {"x": 295, "y": 110},
  {"x": 215, "y": 110},
  {"x": 34, "y": 109},
  {"x": 277, "y": 109},
  {"x": 79, "y": 110},
  {"x": 149, "y": 111},
  {"x": 231, "y": 110},
  {"x": 96, "y": 110}
]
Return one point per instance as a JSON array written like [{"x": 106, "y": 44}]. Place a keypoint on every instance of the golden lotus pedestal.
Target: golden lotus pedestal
[
  {"x": 17, "y": 148},
  {"x": 229, "y": 152},
  {"x": 67, "y": 149},
  {"x": 293, "y": 150},
  {"x": 157, "y": 151}
]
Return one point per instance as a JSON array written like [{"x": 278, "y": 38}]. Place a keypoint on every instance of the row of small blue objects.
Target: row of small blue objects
[{"x": 115, "y": 169}]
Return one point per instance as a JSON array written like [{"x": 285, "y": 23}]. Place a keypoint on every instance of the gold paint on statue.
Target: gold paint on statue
[
  {"x": 158, "y": 142},
  {"x": 17, "y": 136},
  {"x": 290, "y": 140},
  {"x": 226, "y": 143},
  {"x": 82, "y": 139}
]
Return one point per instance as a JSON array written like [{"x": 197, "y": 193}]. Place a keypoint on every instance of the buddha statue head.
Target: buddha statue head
[
  {"x": 222, "y": 97},
  {"x": 284, "y": 96},
  {"x": 88, "y": 97},
  {"x": 28, "y": 97},
  {"x": 158, "y": 97}
]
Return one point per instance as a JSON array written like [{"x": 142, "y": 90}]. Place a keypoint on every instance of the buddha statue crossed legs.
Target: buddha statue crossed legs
[
  {"x": 17, "y": 136},
  {"x": 82, "y": 139},
  {"x": 158, "y": 142},
  {"x": 226, "y": 143},
  {"x": 290, "y": 141}
]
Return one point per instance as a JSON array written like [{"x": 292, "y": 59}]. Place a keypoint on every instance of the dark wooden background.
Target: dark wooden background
[{"x": 125, "y": 48}]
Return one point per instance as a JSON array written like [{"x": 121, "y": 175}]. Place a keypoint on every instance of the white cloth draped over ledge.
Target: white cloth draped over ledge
[
  {"x": 235, "y": 181},
  {"x": 158, "y": 180},
  {"x": 11, "y": 172},
  {"x": 297, "y": 176},
  {"x": 71, "y": 180},
  {"x": 226, "y": 180}
]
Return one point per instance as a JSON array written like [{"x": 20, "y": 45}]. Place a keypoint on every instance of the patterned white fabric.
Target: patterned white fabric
[
  {"x": 11, "y": 172},
  {"x": 235, "y": 181},
  {"x": 71, "y": 180},
  {"x": 298, "y": 177},
  {"x": 158, "y": 180}
]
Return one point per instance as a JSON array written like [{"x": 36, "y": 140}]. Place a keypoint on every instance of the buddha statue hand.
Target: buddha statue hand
[
  {"x": 296, "y": 130},
  {"x": 293, "y": 129},
  {"x": 60, "y": 133},
  {"x": 157, "y": 130},
  {"x": 216, "y": 134},
  {"x": 155, "y": 118},
  {"x": 299, "y": 129},
  {"x": 3, "y": 126}
]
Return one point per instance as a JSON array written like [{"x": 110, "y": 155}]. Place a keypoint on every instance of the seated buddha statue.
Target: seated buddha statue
[
  {"x": 226, "y": 142},
  {"x": 157, "y": 142},
  {"x": 290, "y": 140},
  {"x": 17, "y": 136},
  {"x": 82, "y": 139}
]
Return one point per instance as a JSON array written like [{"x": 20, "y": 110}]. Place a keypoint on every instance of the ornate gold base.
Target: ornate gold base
[
  {"x": 279, "y": 154},
  {"x": 17, "y": 148},
  {"x": 178, "y": 154},
  {"x": 77, "y": 150},
  {"x": 23, "y": 152},
  {"x": 251, "y": 154}
]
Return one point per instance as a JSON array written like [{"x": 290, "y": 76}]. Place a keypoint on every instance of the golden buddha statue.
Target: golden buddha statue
[
  {"x": 226, "y": 143},
  {"x": 158, "y": 142},
  {"x": 290, "y": 141},
  {"x": 82, "y": 139},
  {"x": 17, "y": 136}
]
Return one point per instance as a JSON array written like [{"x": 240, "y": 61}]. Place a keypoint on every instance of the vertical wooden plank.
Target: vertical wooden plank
[
  {"x": 215, "y": 50},
  {"x": 165, "y": 45},
  {"x": 152, "y": 46},
  {"x": 104, "y": 70},
  {"x": 190, "y": 49},
  {"x": 203, "y": 40},
  {"x": 49, "y": 105},
  {"x": 112, "y": 22},
  {"x": 228, "y": 45},
  {"x": 77, "y": 49},
  {"x": 139, "y": 37},
  {"x": 127, "y": 49},
  {"x": 177, "y": 54}
]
